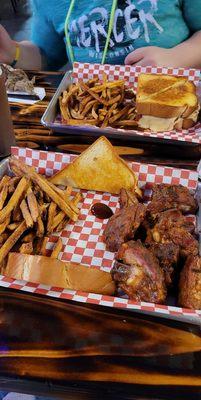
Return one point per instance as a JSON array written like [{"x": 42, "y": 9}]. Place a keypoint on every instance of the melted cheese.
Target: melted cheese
[{"x": 156, "y": 124}]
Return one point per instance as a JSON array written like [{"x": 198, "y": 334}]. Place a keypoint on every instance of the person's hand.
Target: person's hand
[
  {"x": 153, "y": 56},
  {"x": 7, "y": 47}
]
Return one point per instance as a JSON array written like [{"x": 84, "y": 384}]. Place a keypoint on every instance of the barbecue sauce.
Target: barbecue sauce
[{"x": 101, "y": 211}]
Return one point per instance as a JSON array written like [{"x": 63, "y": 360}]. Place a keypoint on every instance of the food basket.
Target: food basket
[
  {"x": 52, "y": 120},
  {"x": 82, "y": 240}
]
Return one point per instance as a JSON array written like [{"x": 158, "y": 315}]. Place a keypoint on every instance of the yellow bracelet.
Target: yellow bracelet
[{"x": 17, "y": 56}]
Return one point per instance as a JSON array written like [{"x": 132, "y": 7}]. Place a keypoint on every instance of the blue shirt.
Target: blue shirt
[{"x": 137, "y": 23}]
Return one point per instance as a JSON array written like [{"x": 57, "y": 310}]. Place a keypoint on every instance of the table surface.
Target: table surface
[{"x": 75, "y": 351}]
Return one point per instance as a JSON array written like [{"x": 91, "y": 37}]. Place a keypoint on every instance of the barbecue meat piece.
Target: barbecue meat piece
[
  {"x": 127, "y": 198},
  {"x": 168, "y": 256},
  {"x": 180, "y": 237},
  {"x": 138, "y": 274},
  {"x": 190, "y": 284},
  {"x": 165, "y": 197},
  {"x": 173, "y": 227},
  {"x": 122, "y": 226},
  {"x": 168, "y": 219},
  {"x": 187, "y": 243}
]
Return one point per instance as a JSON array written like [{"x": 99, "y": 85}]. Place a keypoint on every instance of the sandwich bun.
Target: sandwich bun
[{"x": 53, "y": 272}]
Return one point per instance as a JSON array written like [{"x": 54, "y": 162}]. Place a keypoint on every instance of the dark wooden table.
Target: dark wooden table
[{"x": 78, "y": 351}]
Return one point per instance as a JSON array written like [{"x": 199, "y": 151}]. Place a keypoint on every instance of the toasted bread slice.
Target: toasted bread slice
[
  {"x": 180, "y": 99},
  {"x": 150, "y": 84},
  {"x": 98, "y": 168}
]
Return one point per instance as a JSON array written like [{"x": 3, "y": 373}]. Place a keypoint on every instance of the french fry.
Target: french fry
[
  {"x": 4, "y": 181},
  {"x": 26, "y": 248},
  {"x": 12, "y": 184},
  {"x": 57, "y": 220},
  {"x": 28, "y": 238},
  {"x": 26, "y": 214},
  {"x": 16, "y": 214},
  {"x": 13, "y": 226},
  {"x": 3, "y": 196},
  {"x": 3, "y": 237},
  {"x": 12, "y": 239},
  {"x": 33, "y": 205},
  {"x": 46, "y": 187},
  {"x": 61, "y": 215},
  {"x": 89, "y": 103},
  {"x": 40, "y": 227},
  {"x": 57, "y": 249},
  {"x": 51, "y": 215},
  {"x": 43, "y": 250},
  {"x": 21, "y": 188},
  {"x": 62, "y": 225},
  {"x": 4, "y": 224}
]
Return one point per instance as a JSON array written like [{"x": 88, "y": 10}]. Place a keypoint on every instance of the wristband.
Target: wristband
[{"x": 17, "y": 56}]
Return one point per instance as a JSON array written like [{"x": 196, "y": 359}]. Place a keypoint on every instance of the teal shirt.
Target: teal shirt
[{"x": 137, "y": 23}]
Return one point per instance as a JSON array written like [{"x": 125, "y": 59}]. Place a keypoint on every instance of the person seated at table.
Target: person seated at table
[{"x": 135, "y": 32}]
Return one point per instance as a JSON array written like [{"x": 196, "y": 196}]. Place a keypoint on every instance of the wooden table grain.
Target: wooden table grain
[
  {"x": 74, "y": 351},
  {"x": 81, "y": 351},
  {"x": 30, "y": 132}
]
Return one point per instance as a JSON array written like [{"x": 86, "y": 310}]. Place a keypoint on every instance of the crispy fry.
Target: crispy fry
[
  {"x": 4, "y": 181},
  {"x": 26, "y": 248},
  {"x": 119, "y": 114},
  {"x": 3, "y": 237},
  {"x": 33, "y": 205},
  {"x": 26, "y": 214},
  {"x": 13, "y": 226},
  {"x": 64, "y": 110},
  {"x": 61, "y": 215},
  {"x": 47, "y": 188},
  {"x": 125, "y": 123},
  {"x": 28, "y": 238},
  {"x": 62, "y": 224},
  {"x": 3, "y": 196},
  {"x": 89, "y": 103},
  {"x": 43, "y": 250},
  {"x": 51, "y": 215},
  {"x": 68, "y": 191},
  {"x": 88, "y": 107},
  {"x": 57, "y": 220},
  {"x": 12, "y": 239},
  {"x": 21, "y": 188},
  {"x": 57, "y": 249},
  {"x": 12, "y": 184},
  {"x": 81, "y": 122},
  {"x": 17, "y": 214},
  {"x": 4, "y": 224},
  {"x": 92, "y": 93},
  {"x": 40, "y": 227}
]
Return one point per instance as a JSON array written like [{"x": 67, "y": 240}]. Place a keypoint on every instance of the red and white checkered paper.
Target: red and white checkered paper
[
  {"x": 85, "y": 71},
  {"x": 82, "y": 240}
]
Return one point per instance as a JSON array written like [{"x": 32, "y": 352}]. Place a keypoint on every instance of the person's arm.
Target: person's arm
[
  {"x": 30, "y": 56},
  {"x": 186, "y": 54},
  {"x": 46, "y": 50}
]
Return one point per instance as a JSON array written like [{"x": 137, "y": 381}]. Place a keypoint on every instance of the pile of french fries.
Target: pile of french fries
[
  {"x": 31, "y": 208},
  {"x": 98, "y": 103}
]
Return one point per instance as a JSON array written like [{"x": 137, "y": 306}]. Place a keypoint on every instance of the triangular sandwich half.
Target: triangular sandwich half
[{"x": 98, "y": 168}]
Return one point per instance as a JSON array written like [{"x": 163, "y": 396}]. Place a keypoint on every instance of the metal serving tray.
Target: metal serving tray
[
  {"x": 52, "y": 112},
  {"x": 142, "y": 307}
]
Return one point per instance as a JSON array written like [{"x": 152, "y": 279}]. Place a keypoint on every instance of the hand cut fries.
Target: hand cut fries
[
  {"x": 31, "y": 208},
  {"x": 98, "y": 103}
]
